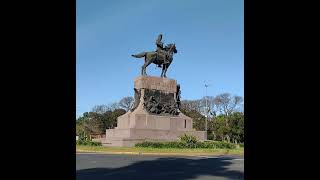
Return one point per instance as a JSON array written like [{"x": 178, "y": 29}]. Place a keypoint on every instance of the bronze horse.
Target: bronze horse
[{"x": 159, "y": 59}]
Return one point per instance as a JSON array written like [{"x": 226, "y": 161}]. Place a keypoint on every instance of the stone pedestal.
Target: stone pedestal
[{"x": 143, "y": 123}]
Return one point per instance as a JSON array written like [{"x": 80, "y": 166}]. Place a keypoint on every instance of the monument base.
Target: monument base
[
  {"x": 140, "y": 135},
  {"x": 139, "y": 125}
]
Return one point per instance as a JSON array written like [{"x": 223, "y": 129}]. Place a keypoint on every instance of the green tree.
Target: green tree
[
  {"x": 80, "y": 129},
  {"x": 236, "y": 121},
  {"x": 220, "y": 129},
  {"x": 93, "y": 124},
  {"x": 197, "y": 117},
  {"x": 233, "y": 132},
  {"x": 114, "y": 115}
]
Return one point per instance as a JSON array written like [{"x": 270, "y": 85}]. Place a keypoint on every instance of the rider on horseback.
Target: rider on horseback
[{"x": 161, "y": 50}]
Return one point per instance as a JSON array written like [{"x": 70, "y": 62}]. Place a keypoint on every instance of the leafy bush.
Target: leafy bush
[
  {"x": 88, "y": 143},
  {"x": 216, "y": 145},
  {"x": 187, "y": 141},
  {"x": 84, "y": 140},
  {"x": 171, "y": 144},
  {"x": 181, "y": 145},
  {"x": 211, "y": 136}
]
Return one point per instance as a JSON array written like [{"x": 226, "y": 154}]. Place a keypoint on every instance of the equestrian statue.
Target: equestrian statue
[{"x": 162, "y": 57}]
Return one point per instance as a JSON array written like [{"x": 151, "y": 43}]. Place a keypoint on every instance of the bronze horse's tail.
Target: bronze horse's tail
[{"x": 140, "y": 55}]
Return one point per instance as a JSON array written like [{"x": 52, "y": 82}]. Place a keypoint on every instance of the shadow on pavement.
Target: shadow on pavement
[{"x": 164, "y": 169}]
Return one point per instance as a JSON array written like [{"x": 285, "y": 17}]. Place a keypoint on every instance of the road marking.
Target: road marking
[
  {"x": 210, "y": 157},
  {"x": 221, "y": 157},
  {"x": 238, "y": 159}
]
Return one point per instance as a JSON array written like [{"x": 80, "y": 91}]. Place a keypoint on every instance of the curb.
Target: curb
[{"x": 161, "y": 154}]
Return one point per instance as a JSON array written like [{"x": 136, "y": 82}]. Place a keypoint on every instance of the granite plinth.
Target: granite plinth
[{"x": 139, "y": 125}]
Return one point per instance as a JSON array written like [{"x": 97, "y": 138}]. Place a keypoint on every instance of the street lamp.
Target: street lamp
[{"x": 207, "y": 109}]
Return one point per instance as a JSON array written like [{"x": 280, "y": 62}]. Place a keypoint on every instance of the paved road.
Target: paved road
[{"x": 113, "y": 167}]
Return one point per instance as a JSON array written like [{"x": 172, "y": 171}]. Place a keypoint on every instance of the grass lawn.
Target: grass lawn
[{"x": 173, "y": 151}]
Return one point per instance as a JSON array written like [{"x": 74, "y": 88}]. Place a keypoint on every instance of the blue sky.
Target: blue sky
[{"x": 209, "y": 36}]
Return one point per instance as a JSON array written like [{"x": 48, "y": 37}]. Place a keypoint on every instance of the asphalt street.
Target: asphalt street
[{"x": 109, "y": 167}]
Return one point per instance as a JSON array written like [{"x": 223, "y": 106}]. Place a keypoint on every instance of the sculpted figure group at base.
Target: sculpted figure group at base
[
  {"x": 152, "y": 105},
  {"x": 162, "y": 57},
  {"x": 156, "y": 102}
]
